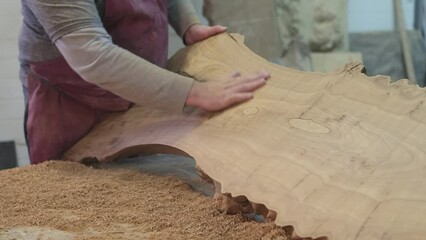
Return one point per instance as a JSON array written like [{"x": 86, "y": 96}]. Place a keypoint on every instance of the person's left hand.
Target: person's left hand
[{"x": 199, "y": 32}]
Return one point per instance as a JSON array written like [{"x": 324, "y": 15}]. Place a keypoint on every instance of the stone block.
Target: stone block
[
  {"x": 271, "y": 26},
  {"x": 256, "y": 20},
  {"x": 321, "y": 23}
]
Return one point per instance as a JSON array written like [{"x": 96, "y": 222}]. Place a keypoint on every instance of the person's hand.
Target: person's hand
[
  {"x": 198, "y": 32},
  {"x": 218, "y": 95}
]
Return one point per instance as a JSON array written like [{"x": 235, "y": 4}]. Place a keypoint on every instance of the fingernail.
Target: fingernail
[
  {"x": 236, "y": 74},
  {"x": 268, "y": 74}
]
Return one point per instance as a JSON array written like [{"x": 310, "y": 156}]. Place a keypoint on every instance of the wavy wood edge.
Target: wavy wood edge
[{"x": 342, "y": 109}]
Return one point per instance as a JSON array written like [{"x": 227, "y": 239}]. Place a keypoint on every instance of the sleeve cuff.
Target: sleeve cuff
[
  {"x": 181, "y": 87},
  {"x": 186, "y": 24},
  {"x": 182, "y": 16}
]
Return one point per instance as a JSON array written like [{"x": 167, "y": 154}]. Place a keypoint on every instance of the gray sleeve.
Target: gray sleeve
[
  {"x": 60, "y": 17},
  {"x": 91, "y": 53},
  {"x": 181, "y": 15}
]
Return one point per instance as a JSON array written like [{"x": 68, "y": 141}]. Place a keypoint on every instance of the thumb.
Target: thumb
[{"x": 217, "y": 29}]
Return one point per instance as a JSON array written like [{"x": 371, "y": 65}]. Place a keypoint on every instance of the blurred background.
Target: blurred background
[{"x": 387, "y": 36}]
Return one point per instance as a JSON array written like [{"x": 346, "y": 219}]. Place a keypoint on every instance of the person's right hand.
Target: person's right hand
[{"x": 218, "y": 95}]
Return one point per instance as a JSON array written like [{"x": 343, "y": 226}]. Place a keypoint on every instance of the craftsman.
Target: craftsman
[{"x": 82, "y": 59}]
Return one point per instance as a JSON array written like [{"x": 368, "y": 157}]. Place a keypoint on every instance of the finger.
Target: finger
[
  {"x": 217, "y": 29},
  {"x": 254, "y": 78},
  {"x": 237, "y": 98},
  {"x": 262, "y": 74},
  {"x": 236, "y": 74},
  {"x": 249, "y": 86}
]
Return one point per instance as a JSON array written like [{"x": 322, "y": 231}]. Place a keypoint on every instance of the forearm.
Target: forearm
[
  {"x": 96, "y": 59},
  {"x": 181, "y": 15}
]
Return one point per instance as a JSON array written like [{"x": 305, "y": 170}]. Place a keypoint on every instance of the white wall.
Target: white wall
[
  {"x": 11, "y": 97},
  {"x": 377, "y": 15}
]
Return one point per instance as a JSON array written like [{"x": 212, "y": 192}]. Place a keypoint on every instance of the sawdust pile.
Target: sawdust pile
[{"x": 115, "y": 204}]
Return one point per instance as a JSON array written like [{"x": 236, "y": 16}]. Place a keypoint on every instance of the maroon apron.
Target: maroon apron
[{"x": 62, "y": 107}]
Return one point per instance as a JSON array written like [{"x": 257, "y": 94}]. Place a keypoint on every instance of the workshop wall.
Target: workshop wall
[
  {"x": 11, "y": 97},
  {"x": 377, "y": 15}
]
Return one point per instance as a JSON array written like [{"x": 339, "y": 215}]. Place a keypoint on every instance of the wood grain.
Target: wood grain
[{"x": 340, "y": 155}]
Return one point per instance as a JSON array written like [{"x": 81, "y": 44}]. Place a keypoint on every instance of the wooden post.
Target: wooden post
[{"x": 406, "y": 49}]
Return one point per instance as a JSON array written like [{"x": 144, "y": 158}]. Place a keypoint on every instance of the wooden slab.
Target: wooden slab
[{"x": 339, "y": 155}]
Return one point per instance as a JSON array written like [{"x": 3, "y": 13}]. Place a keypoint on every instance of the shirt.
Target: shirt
[{"x": 73, "y": 29}]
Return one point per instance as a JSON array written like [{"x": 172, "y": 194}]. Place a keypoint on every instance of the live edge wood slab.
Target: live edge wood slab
[{"x": 340, "y": 155}]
